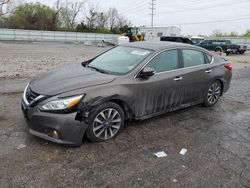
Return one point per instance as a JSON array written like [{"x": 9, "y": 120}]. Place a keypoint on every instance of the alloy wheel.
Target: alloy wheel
[
  {"x": 214, "y": 93},
  {"x": 107, "y": 123}
]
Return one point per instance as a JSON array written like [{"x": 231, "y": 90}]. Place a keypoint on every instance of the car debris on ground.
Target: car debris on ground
[
  {"x": 21, "y": 146},
  {"x": 175, "y": 180},
  {"x": 160, "y": 154},
  {"x": 183, "y": 166},
  {"x": 183, "y": 151}
]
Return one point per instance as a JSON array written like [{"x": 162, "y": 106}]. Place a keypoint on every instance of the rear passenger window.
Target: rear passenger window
[
  {"x": 165, "y": 61},
  {"x": 192, "y": 58}
]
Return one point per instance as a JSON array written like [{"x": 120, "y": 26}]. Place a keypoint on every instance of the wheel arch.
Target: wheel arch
[
  {"x": 93, "y": 103},
  {"x": 125, "y": 107},
  {"x": 222, "y": 86},
  {"x": 218, "y": 47}
]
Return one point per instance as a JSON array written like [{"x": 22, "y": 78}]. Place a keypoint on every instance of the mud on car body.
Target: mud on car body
[{"x": 133, "y": 81}]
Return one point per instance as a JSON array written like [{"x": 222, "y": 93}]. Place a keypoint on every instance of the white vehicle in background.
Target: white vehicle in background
[
  {"x": 122, "y": 40},
  {"x": 155, "y": 33},
  {"x": 197, "y": 40}
]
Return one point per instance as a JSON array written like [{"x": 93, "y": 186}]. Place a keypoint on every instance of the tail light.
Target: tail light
[{"x": 228, "y": 66}]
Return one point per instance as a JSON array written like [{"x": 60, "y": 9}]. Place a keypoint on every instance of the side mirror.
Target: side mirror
[{"x": 147, "y": 72}]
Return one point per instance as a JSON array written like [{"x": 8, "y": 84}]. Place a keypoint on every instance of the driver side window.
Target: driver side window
[{"x": 165, "y": 61}]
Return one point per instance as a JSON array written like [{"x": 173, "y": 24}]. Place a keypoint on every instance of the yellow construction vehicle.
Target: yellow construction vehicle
[{"x": 134, "y": 34}]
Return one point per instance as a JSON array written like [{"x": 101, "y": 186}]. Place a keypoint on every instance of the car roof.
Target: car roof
[
  {"x": 162, "y": 45},
  {"x": 174, "y": 37},
  {"x": 158, "y": 45}
]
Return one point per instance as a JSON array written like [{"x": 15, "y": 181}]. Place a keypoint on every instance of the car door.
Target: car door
[
  {"x": 197, "y": 74},
  {"x": 207, "y": 44},
  {"x": 162, "y": 90}
]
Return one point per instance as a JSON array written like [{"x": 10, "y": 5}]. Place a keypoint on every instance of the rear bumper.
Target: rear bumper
[
  {"x": 235, "y": 50},
  {"x": 58, "y": 128},
  {"x": 226, "y": 82},
  {"x": 231, "y": 50},
  {"x": 226, "y": 87}
]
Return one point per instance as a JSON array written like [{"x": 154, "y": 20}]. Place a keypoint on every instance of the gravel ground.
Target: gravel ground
[
  {"x": 30, "y": 59},
  {"x": 217, "y": 139}
]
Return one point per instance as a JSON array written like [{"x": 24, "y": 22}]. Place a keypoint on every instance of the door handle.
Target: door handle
[
  {"x": 178, "y": 78},
  {"x": 208, "y": 71}
]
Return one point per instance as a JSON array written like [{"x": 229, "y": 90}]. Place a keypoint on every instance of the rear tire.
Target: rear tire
[
  {"x": 105, "y": 122},
  {"x": 213, "y": 94}
]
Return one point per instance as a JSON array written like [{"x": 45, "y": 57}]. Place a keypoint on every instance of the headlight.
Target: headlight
[{"x": 62, "y": 104}]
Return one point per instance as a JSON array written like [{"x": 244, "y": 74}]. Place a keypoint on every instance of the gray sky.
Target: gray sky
[{"x": 192, "y": 16}]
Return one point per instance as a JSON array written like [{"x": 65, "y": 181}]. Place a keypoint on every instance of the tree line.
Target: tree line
[
  {"x": 65, "y": 15},
  {"x": 218, "y": 33}
]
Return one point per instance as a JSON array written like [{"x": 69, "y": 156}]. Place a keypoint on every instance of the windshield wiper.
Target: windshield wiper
[{"x": 97, "y": 69}]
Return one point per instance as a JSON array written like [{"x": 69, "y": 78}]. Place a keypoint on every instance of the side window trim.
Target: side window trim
[
  {"x": 180, "y": 60},
  {"x": 206, "y": 58}
]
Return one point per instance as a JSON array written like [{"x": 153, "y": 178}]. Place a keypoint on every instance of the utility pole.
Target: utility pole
[{"x": 152, "y": 8}]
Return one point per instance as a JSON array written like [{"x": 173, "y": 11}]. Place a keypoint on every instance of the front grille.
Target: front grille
[{"x": 31, "y": 95}]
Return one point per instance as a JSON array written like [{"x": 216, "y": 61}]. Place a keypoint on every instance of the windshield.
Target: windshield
[{"x": 119, "y": 60}]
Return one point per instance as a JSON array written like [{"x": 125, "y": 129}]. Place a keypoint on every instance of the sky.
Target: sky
[{"x": 194, "y": 17}]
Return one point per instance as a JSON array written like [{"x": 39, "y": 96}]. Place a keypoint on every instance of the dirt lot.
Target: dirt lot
[
  {"x": 26, "y": 60},
  {"x": 217, "y": 138}
]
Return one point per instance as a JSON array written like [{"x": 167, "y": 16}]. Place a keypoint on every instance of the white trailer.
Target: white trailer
[{"x": 156, "y": 32}]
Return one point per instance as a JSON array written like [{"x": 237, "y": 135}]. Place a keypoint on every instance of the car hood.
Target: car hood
[{"x": 67, "y": 78}]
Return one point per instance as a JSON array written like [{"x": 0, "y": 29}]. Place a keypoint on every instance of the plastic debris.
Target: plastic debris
[
  {"x": 175, "y": 180},
  {"x": 160, "y": 154},
  {"x": 21, "y": 146},
  {"x": 183, "y": 166},
  {"x": 183, "y": 151}
]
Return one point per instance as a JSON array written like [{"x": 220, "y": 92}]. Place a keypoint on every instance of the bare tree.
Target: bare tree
[
  {"x": 102, "y": 20},
  {"x": 91, "y": 16},
  {"x": 217, "y": 33},
  {"x": 121, "y": 21},
  {"x": 56, "y": 14},
  {"x": 6, "y": 6},
  {"x": 112, "y": 14},
  {"x": 70, "y": 12}
]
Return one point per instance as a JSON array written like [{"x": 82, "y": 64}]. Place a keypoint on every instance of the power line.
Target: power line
[
  {"x": 211, "y": 21},
  {"x": 152, "y": 8},
  {"x": 205, "y": 7},
  {"x": 139, "y": 5},
  {"x": 134, "y": 11},
  {"x": 185, "y": 3}
]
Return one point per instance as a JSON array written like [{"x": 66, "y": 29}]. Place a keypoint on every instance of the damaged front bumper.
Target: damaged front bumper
[{"x": 58, "y": 128}]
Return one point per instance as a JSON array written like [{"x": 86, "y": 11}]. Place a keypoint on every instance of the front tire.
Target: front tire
[
  {"x": 105, "y": 122},
  {"x": 213, "y": 94}
]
